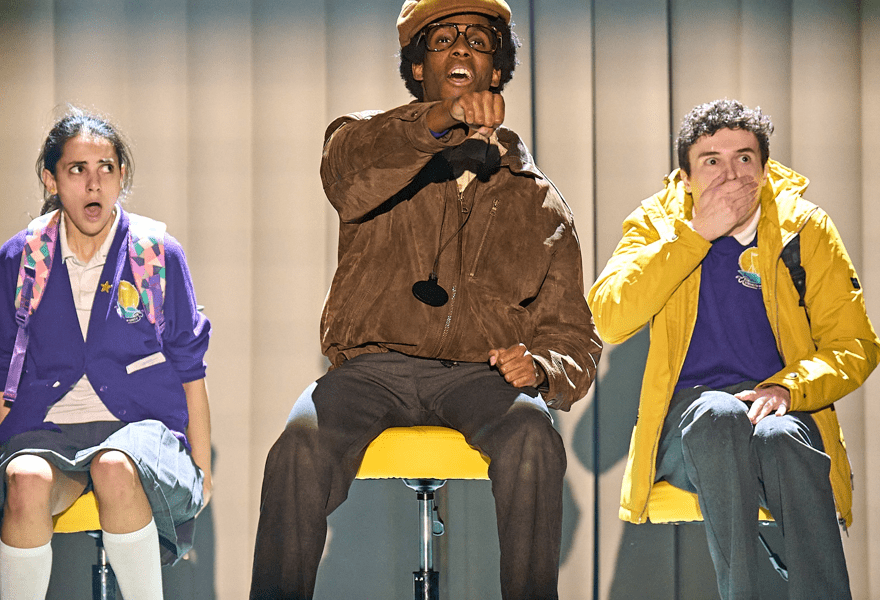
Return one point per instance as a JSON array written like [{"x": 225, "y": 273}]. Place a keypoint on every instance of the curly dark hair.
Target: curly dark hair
[
  {"x": 78, "y": 121},
  {"x": 708, "y": 118},
  {"x": 503, "y": 59}
]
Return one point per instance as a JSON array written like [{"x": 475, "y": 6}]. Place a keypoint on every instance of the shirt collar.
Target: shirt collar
[
  {"x": 468, "y": 176},
  {"x": 746, "y": 236},
  {"x": 101, "y": 255}
]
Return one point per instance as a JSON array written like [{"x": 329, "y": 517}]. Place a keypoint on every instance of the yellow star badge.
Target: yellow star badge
[{"x": 105, "y": 287}]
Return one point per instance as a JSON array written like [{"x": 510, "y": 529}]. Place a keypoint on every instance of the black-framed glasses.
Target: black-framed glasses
[{"x": 442, "y": 36}]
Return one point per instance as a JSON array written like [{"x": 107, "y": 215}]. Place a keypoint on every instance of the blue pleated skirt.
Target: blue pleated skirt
[{"x": 170, "y": 478}]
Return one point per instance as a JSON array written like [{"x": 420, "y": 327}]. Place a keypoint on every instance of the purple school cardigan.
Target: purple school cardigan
[{"x": 57, "y": 357}]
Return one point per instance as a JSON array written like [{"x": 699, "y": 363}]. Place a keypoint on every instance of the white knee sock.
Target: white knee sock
[
  {"x": 24, "y": 572},
  {"x": 135, "y": 560}
]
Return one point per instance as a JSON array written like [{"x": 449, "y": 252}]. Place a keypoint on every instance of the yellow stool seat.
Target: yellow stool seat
[
  {"x": 81, "y": 516},
  {"x": 424, "y": 457},
  {"x": 669, "y": 504},
  {"x": 422, "y": 453}
]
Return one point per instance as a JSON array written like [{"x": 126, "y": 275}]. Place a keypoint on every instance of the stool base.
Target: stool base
[
  {"x": 426, "y": 585},
  {"x": 103, "y": 577}
]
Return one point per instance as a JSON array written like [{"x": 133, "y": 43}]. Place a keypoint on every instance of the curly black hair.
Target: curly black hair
[
  {"x": 503, "y": 59},
  {"x": 708, "y": 118}
]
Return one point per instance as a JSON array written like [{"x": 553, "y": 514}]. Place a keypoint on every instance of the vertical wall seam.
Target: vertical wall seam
[
  {"x": 597, "y": 394},
  {"x": 669, "y": 79},
  {"x": 676, "y": 540},
  {"x": 533, "y": 80}
]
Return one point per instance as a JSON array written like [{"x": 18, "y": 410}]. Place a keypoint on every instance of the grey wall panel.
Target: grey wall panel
[
  {"x": 706, "y": 62},
  {"x": 563, "y": 111},
  {"x": 739, "y": 50},
  {"x": 631, "y": 157},
  {"x": 89, "y": 35},
  {"x": 870, "y": 273},
  {"x": 155, "y": 117},
  {"x": 826, "y": 96},
  {"x": 825, "y": 125},
  {"x": 220, "y": 191},
  {"x": 766, "y": 67},
  {"x": 289, "y": 208},
  {"x": 27, "y": 75},
  {"x": 632, "y": 104}
]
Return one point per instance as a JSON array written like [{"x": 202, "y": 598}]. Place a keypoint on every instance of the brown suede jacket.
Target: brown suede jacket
[{"x": 513, "y": 273}]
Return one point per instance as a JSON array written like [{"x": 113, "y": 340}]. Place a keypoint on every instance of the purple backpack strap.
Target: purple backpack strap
[{"x": 36, "y": 262}]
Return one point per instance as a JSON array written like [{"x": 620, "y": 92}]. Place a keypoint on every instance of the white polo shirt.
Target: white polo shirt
[{"x": 81, "y": 404}]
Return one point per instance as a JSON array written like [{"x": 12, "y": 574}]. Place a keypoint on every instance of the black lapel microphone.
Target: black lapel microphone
[
  {"x": 482, "y": 159},
  {"x": 430, "y": 292}
]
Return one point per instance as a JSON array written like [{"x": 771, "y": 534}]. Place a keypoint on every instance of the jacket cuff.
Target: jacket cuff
[
  {"x": 791, "y": 381},
  {"x": 421, "y": 136},
  {"x": 550, "y": 389}
]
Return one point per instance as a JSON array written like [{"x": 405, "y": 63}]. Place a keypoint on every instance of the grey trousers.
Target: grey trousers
[
  {"x": 313, "y": 463},
  {"x": 709, "y": 446}
]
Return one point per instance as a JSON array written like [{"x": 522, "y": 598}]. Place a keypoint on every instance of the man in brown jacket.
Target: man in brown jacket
[{"x": 458, "y": 300}]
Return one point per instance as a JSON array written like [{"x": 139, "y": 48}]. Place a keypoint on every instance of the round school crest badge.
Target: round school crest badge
[
  {"x": 749, "y": 273},
  {"x": 127, "y": 300}
]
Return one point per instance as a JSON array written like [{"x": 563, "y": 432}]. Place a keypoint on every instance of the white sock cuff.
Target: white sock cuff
[
  {"x": 25, "y": 552},
  {"x": 133, "y": 537}
]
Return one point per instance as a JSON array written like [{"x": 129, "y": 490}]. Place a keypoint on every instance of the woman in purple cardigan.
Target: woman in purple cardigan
[{"x": 103, "y": 399}]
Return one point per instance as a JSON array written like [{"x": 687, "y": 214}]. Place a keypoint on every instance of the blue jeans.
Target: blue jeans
[{"x": 709, "y": 446}]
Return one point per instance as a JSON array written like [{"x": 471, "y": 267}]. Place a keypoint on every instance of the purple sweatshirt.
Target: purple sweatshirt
[{"x": 732, "y": 340}]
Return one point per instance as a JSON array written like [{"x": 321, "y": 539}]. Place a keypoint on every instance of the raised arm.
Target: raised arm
[
  {"x": 653, "y": 258},
  {"x": 370, "y": 157}
]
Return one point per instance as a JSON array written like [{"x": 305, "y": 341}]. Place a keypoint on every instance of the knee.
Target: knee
[
  {"x": 113, "y": 473},
  {"x": 28, "y": 484},
  {"x": 776, "y": 434},
  {"x": 716, "y": 416},
  {"x": 528, "y": 443},
  {"x": 304, "y": 413}
]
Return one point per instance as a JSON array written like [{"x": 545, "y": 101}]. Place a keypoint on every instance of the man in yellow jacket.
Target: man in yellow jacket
[{"x": 757, "y": 326}]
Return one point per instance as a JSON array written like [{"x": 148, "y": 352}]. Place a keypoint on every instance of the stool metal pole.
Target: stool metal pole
[
  {"x": 103, "y": 577},
  {"x": 426, "y": 542},
  {"x": 426, "y": 581}
]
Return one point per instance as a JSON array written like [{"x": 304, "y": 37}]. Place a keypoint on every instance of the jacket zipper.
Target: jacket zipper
[
  {"x": 448, "y": 317},
  {"x": 448, "y": 325},
  {"x": 485, "y": 235}
]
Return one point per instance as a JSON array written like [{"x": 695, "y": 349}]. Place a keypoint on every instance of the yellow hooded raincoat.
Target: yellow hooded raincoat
[{"x": 653, "y": 278}]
